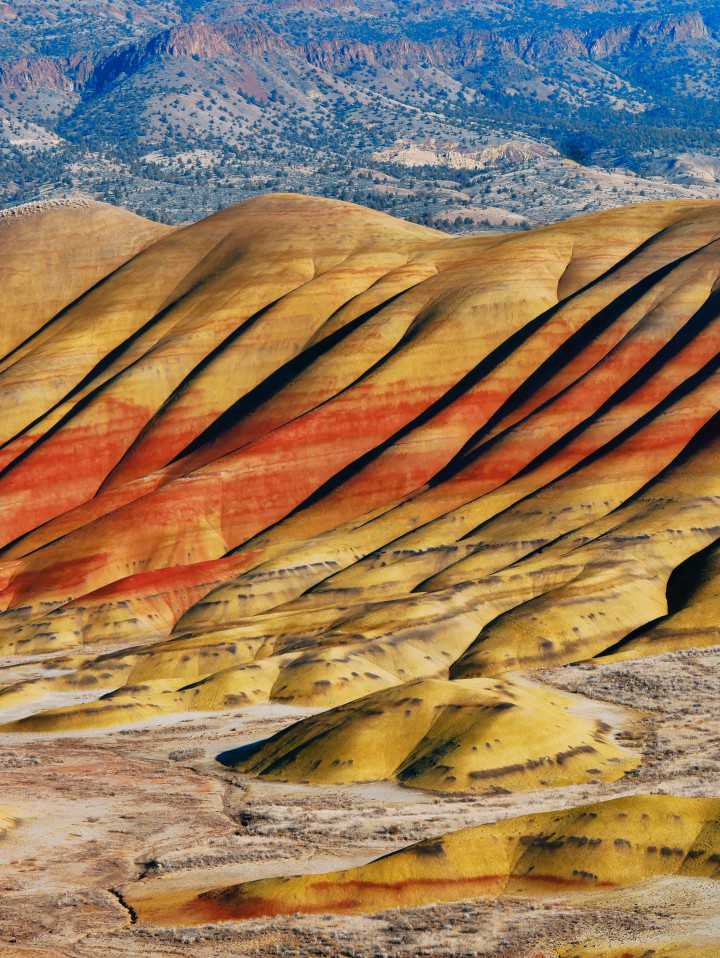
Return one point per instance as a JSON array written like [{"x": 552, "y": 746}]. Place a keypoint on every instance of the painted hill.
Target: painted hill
[
  {"x": 467, "y": 735},
  {"x": 79, "y": 243},
  {"x": 600, "y": 847},
  {"x": 302, "y": 452}
]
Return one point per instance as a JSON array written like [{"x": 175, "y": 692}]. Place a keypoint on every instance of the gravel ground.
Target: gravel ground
[{"x": 103, "y": 812}]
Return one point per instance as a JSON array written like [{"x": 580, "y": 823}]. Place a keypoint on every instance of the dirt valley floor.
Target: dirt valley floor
[{"x": 108, "y": 817}]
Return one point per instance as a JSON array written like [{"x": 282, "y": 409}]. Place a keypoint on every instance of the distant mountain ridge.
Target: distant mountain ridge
[
  {"x": 465, "y": 49},
  {"x": 298, "y": 95}
]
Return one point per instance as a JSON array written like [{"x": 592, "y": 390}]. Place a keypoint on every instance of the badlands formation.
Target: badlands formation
[{"x": 359, "y": 585}]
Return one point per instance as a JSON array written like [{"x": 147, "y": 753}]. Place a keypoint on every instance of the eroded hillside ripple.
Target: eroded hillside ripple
[{"x": 301, "y": 452}]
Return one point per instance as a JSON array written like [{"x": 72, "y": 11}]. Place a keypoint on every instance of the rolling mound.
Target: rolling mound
[
  {"x": 468, "y": 735},
  {"x": 78, "y": 242},
  {"x": 302, "y": 452},
  {"x": 606, "y": 846},
  {"x": 648, "y": 949}
]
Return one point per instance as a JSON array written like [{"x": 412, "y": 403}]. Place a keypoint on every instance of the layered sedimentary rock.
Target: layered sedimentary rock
[
  {"x": 52, "y": 254},
  {"x": 694, "y": 607},
  {"x": 467, "y": 735},
  {"x": 303, "y": 452},
  {"x": 606, "y": 846}
]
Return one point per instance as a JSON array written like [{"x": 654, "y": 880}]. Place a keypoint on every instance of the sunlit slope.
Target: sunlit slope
[
  {"x": 704, "y": 946},
  {"x": 596, "y": 847},
  {"x": 52, "y": 253},
  {"x": 7, "y": 821},
  {"x": 304, "y": 452},
  {"x": 471, "y": 735},
  {"x": 694, "y": 619}
]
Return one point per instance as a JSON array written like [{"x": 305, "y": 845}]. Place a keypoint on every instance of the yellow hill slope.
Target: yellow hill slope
[
  {"x": 472, "y": 735},
  {"x": 605, "y": 846}
]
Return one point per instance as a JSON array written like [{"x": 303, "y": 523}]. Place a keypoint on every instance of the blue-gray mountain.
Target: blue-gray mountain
[{"x": 174, "y": 107}]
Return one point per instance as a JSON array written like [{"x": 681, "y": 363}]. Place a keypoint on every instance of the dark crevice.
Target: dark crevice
[
  {"x": 505, "y": 348},
  {"x": 172, "y": 300},
  {"x": 86, "y": 400},
  {"x": 581, "y": 338},
  {"x": 66, "y": 309},
  {"x": 286, "y": 373},
  {"x": 685, "y": 580},
  {"x": 79, "y": 406},
  {"x": 709, "y": 311},
  {"x": 467, "y": 382},
  {"x": 696, "y": 443},
  {"x": 227, "y": 419},
  {"x": 707, "y": 433},
  {"x": 96, "y": 370},
  {"x": 596, "y": 325},
  {"x": 278, "y": 379},
  {"x": 116, "y": 893},
  {"x": 646, "y": 373},
  {"x": 183, "y": 386},
  {"x": 63, "y": 421}
]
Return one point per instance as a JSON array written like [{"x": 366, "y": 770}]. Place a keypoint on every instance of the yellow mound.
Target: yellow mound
[
  {"x": 604, "y": 846},
  {"x": 8, "y": 821},
  {"x": 472, "y": 735},
  {"x": 696, "y": 624},
  {"x": 649, "y": 948}
]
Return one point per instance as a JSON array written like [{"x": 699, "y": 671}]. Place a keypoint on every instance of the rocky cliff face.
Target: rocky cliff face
[
  {"x": 96, "y": 72},
  {"x": 339, "y": 55},
  {"x": 42, "y": 73},
  {"x": 463, "y": 50},
  {"x": 255, "y": 39},
  {"x": 470, "y": 47},
  {"x": 687, "y": 28},
  {"x": 196, "y": 40},
  {"x": 624, "y": 39}
]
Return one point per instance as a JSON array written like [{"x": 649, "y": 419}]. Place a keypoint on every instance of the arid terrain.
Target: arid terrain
[
  {"x": 462, "y": 114},
  {"x": 359, "y": 584},
  {"x": 114, "y": 814}
]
